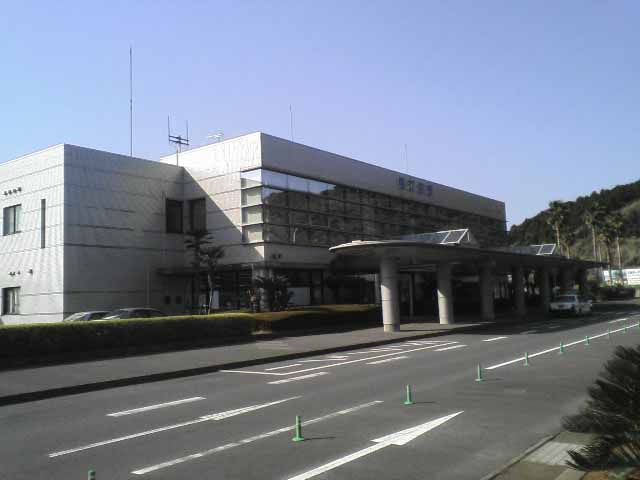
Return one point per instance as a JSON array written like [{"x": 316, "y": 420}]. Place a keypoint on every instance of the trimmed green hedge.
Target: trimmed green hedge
[{"x": 35, "y": 340}]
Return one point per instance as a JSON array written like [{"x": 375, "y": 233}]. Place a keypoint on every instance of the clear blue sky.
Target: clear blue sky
[{"x": 521, "y": 101}]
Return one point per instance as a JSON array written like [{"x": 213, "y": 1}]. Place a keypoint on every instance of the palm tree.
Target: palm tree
[
  {"x": 569, "y": 239},
  {"x": 197, "y": 241},
  {"x": 617, "y": 225},
  {"x": 607, "y": 237},
  {"x": 611, "y": 413},
  {"x": 593, "y": 219},
  {"x": 556, "y": 218},
  {"x": 210, "y": 257}
]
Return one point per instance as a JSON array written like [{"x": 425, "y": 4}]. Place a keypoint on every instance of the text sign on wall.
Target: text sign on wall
[{"x": 410, "y": 185}]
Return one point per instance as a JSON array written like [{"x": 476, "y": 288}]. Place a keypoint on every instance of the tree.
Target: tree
[
  {"x": 608, "y": 236},
  {"x": 195, "y": 243},
  {"x": 617, "y": 225},
  {"x": 612, "y": 413},
  {"x": 556, "y": 218},
  {"x": 275, "y": 290},
  {"x": 593, "y": 217},
  {"x": 569, "y": 239},
  {"x": 210, "y": 256}
]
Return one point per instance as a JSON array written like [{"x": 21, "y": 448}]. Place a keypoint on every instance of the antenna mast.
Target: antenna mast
[
  {"x": 291, "y": 120},
  {"x": 177, "y": 140}
]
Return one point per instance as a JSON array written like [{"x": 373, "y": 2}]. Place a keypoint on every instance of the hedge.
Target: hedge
[{"x": 36, "y": 340}]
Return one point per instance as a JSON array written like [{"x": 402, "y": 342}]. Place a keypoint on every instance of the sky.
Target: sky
[{"x": 525, "y": 102}]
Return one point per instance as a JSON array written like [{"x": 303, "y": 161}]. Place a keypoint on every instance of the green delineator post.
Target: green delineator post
[
  {"x": 409, "y": 399},
  {"x": 561, "y": 351},
  {"x": 609, "y": 333},
  {"x": 586, "y": 340},
  {"x": 91, "y": 475},
  {"x": 526, "y": 359},
  {"x": 479, "y": 374},
  {"x": 298, "y": 437}
]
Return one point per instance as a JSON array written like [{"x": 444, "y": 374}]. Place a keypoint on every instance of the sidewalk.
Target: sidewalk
[{"x": 35, "y": 383}]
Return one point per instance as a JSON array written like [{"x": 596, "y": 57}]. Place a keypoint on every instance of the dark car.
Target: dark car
[
  {"x": 86, "y": 316},
  {"x": 123, "y": 313}
]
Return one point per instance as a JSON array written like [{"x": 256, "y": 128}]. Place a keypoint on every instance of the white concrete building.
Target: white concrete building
[{"x": 91, "y": 230}]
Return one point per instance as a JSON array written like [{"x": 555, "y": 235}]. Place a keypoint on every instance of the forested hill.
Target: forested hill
[{"x": 577, "y": 234}]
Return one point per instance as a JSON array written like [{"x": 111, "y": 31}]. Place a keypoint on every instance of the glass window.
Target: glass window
[
  {"x": 318, "y": 237},
  {"x": 174, "y": 216},
  {"x": 252, "y": 214},
  {"x": 299, "y": 236},
  {"x": 252, "y": 178},
  {"x": 352, "y": 209},
  {"x": 276, "y": 215},
  {"x": 299, "y": 218},
  {"x": 252, "y": 196},
  {"x": 276, "y": 233},
  {"x": 368, "y": 213},
  {"x": 336, "y": 206},
  {"x": 274, "y": 197},
  {"x": 369, "y": 228},
  {"x": 337, "y": 238},
  {"x": 298, "y": 201},
  {"x": 298, "y": 183},
  {"x": 197, "y": 215},
  {"x": 11, "y": 220},
  {"x": 252, "y": 233},
  {"x": 11, "y": 301},
  {"x": 352, "y": 195},
  {"x": 43, "y": 222},
  {"x": 274, "y": 179},
  {"x": 352, "y": 225},
  {"x": 319, "y": 220},
  {"x": 319, "y": 188},
  {"x": 318, "y": 204},
  {"x": 336, "y": 223}
]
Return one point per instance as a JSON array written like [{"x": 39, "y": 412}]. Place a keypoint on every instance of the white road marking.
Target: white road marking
[
  {"x": 316, "y": 360},
  {"x": 295, "y": 379},
  {"x": 285, "y": 366},
  {"x": 529, "y": 331},
  {"x": 255, "y": 438},
  {"x": 493, "y": 339},
  {"x": 331, "y": 365},
  {"x": 154, "y": 407},
  {"x": 449, "y": 348},
  {"x": 387, "y": 360},
  {"x": 399, "y": 438},
  {"x": 566, "y": 345},
  {"x": 206, "y": 418},
  {"x": 619, "y": 320}
]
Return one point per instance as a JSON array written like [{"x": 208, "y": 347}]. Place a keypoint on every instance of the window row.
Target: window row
[
  {"x": 298, "y": 235},
  {"x": 197, "y": 219},
  {"x": 11, "y": 219},
  {"x": 11, "y": 301}
]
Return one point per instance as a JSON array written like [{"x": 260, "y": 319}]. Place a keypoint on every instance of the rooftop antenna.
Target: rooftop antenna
[
  {"x": 130, "y": 101},
  {"x": 216, "y": 136},
  {"x": 177, "y": 140},
  {"x": 291, "y": 120}
]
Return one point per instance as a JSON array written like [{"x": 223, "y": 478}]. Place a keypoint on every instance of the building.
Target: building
[{"x": 90, "y": 230}]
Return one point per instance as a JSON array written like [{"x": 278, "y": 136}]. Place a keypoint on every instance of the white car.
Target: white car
[{"x": 573, "y": 304}]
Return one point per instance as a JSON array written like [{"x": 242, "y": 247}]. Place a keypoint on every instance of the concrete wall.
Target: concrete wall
[
  {"x": 115, "y": 238},
  {"x": 39, "y": 175}
]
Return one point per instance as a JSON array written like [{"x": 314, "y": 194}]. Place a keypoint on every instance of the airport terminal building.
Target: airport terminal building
[{"x": 90, "y": 230}]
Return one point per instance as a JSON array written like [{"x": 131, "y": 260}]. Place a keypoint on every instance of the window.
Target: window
[
  {"x": 43, "y": 222},
  {"x": 174, "y": 216},
  {"x": 11, "y": 301},
  {"x": 197, "y": 215},
  {"x": 11, "y": 220}
]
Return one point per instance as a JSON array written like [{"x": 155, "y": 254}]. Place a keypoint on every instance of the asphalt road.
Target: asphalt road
[{"x": 239, "y": 424}]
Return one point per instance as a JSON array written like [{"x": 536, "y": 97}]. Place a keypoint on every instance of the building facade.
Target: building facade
[{"x": 91, "y": 230}]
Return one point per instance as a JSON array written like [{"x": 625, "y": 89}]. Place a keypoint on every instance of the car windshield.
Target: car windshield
[
  {"x": 566, "y": 298},
  {"x": 75, "y": 316},
  {"x": 114, "y": 314}
]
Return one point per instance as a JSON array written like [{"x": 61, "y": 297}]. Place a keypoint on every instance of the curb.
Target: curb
[
  {"x": 191, "y": 372},
  {"x": 515, "y": 460}
]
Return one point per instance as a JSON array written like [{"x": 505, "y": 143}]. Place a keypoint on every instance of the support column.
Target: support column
[
  {"x": 542, "y": 279},
  {"x": 389, "y": 294},
  {"x": 517, "y": 276},
  {"x": 411, "y": 295},
  {"x": 445, "y": 294},
  {"x": 376, "y": 279},
  {"x": 486, "y": 292}
]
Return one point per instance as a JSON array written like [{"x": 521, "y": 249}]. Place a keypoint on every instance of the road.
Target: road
[{"x": 240, "y": 424}]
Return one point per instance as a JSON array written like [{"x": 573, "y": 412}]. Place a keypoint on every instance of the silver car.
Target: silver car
[
  {"x": 570, "y": 303},
  {"x": 85, "y": 316}
]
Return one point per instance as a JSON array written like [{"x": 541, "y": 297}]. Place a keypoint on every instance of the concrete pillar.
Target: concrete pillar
[
  {"x": 376, "y": 279},
  {"x": 517, "y": 275},
  {"x": 486, "y": 292},
  {"x": 389, "y": 294},
  {"x": 411, "y": 294},
  {"x": 542, "y": 279},
  {"x": 445, "y": 294}
]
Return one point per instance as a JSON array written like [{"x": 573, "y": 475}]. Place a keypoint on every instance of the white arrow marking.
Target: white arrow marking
[
  {"x": 206, "y": 418},
  {"x": 399, "y": 438}
]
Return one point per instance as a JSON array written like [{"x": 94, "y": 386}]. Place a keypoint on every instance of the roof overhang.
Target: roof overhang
[{"x": 366, "y": 255}]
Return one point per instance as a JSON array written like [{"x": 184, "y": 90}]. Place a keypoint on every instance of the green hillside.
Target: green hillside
[{"x": 622, "y": 201}]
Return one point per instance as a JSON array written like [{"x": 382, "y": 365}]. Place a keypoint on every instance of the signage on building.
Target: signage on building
[
  {"x": 410, "y": 185},
  {"x": 630, "y": 276}
]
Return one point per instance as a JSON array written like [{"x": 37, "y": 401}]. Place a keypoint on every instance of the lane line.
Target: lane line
[
  {"x": 449, "y": 348},
  {"x": 295, "y": 379},
  {"x": 591, "y": 337},
  {"x": 154, "y": 407},
  {"x": 619, "y": 320},
  {"x": 255, "y": 438},
  {"x": 358, "y": 360},
  {"x": 529, "y": 331},
  {"x": 493, "y": 339},
  {"x": 206, "y": 418},
  {"x": 280, "y": 368},
  {"x": 387, "y": 360}
]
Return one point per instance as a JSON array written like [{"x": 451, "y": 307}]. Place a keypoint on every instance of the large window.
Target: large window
[
  {"x": 174, "y": 216},
  {"x": 11, "y": 301},
  {"x": 11, "y": 220},
  {"x": 197, "y": 215}
]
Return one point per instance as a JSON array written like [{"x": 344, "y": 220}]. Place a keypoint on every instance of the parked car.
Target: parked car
[
  {"x": 86, "y": 316},
  {"x": 570, "y": 303},
  {"x": 123, "y": 313}
]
